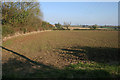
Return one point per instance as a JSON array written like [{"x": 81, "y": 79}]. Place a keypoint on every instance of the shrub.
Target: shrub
[
  {"x": 58, "y": 25},
  {"x": 59, "y": 29},
  {"x": 93, "y": 27},
  {"x": 6, "y": 29},
  {"x": 76, "y": 29},
  {"x": 24, "y": 30}
]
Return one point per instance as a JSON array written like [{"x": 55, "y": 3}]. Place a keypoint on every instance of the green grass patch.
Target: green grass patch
[
  {"x": 8, "y": 42},
  {"x": 93, "y": 69}
]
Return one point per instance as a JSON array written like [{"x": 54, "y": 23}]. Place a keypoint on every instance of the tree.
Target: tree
[
  {"x": 21, "y": 15},
  {"x": 46, "y": 25},
  {"x": 67, "y": 25},
  {"x": 20, "y": 12},
  {"x": 83, "y": 26},
  {"x": 94, "y": 26},
  {"x": 58, "y": 25}
]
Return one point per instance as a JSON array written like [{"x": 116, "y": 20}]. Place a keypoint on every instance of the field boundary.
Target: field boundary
[{"x": 23, "y": 34}]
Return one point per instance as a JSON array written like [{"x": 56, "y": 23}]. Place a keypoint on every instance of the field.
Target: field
[
  {"x": 87, "y": 28},
  {"x": 62, "y": 54}
]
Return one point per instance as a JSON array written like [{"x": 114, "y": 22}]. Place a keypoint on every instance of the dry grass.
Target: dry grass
[{"x": 71, "y": 28}]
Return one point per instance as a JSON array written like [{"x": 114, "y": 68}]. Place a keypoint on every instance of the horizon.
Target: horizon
[{"x": 80, "y": 13}]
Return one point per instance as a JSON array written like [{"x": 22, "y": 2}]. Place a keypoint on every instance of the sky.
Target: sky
[{"x": 89, "y": 13}]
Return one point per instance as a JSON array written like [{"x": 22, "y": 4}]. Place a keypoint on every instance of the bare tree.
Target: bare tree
[{"x": 67, "y": 25}]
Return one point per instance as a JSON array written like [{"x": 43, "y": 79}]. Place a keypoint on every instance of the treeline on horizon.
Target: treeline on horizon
[
  {"x": 22, "y": 17},
  {"x": 100, "y": 26}
]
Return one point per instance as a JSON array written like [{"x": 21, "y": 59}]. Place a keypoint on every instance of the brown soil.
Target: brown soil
[{"x": 57, "y": 49}]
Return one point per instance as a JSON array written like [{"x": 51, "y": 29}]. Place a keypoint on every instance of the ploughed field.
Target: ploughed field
[{"x": 66, "y": 54}]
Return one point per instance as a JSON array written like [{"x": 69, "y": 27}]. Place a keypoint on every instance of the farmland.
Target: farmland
[{"x": 66, "y": 54}]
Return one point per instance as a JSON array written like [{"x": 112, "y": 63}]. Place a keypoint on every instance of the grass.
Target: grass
[
  {"x": 66, "y": 54},
  {"x": 96, "y": 67}
]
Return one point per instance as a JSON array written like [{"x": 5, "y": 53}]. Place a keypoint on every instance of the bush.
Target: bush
[
  {"x": 24, "y": 30},
  {"x": 59, "y": 29},
  {"x": 58, "y": 25},
  {"x": 76, "y": 29},
  {"x": 22, "y": 17},
  {"x": 6, "y": 29},
  {"x": 93, "y": 27}
]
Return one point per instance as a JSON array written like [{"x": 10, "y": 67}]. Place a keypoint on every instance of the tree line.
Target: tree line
[{"x": 22, "y": 17}]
